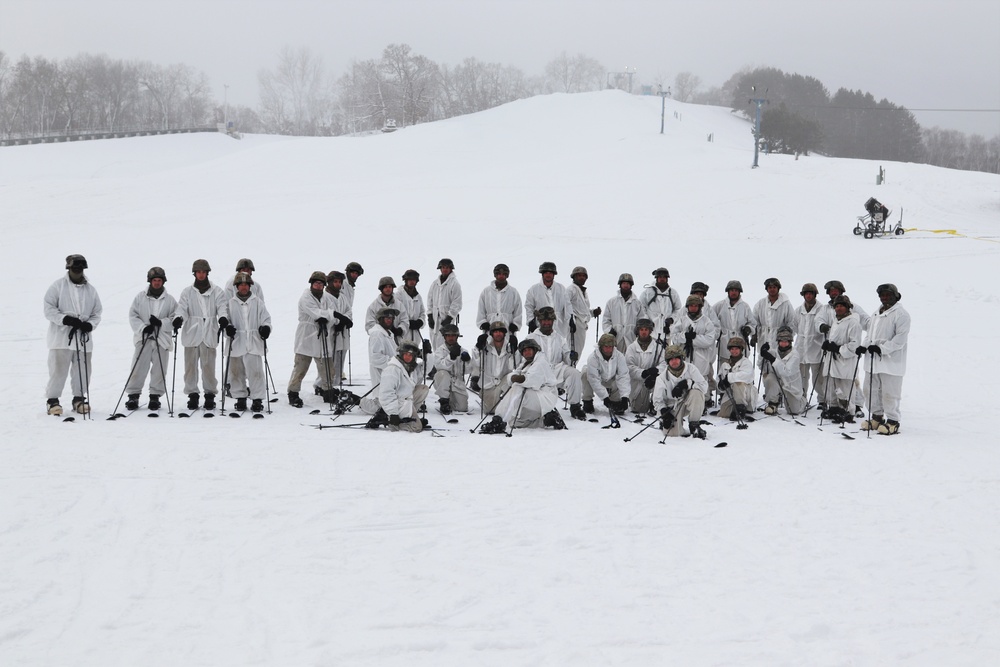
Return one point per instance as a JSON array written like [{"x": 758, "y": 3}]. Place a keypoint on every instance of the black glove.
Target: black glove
[
  {"x": 416, "y": 324},
  {"x": 264, "y": 331},
  {"x": 513, "y": 328},
  {"x": 724, "y": 383},
  {"x": 609, "y": 403},
  {"x": 398, "y": 332},
  {"x": 650, "y": 381},
  {"x": 517, "y": 378},
  {"x": 155, "y": 321},
  {"x": 71, "y": 321},
  {"x": 613, "y": 332},
  {"x": 753, "y": 341},
  {"x": 572, "y": 325},
  {"x": 689, "y": 336},
  {"x": 394, "y": 420},
  {"x": 466, "y": 357},
  {"x": 231, "y": 331},
  {"x": 596, "y": 312},
  {"x": 767, "y": 355},
  {"x": 669, "y": 322},
  {"x": 746, "y": 331},
  {"x": 667, "y": 417},
  {"x": 148, "y": 329},
  {"x": 86, "y": 327},
  {"x": 178, "y": 322},
  {"x": 430, "y": 320},
  {"x": 532, "y": 325},
  {"x": 824, "y": 328},
  {"x": 454, "y": 351},
  {"x": 875, "y": 349},
  {"x": 445, "y": 321},
  {"x": 765, "y": 347},
  {"x": 512, "y": 344},
  {"x": 623, "y": 405},
  {"x": 481, "y": 341},
  {"x": 344, "y": 320},
  {"x": 679, "y": 389},
  {"x": 474, "y": 385},
  {"x": 649, "y": 372},
  {"x": 223, "y": 322},
  {"x": 485, "y": 326},
  {"x": 573, "y": 356},
  {"x": 322, "y": 322},
  {"x": 861, "y": 350},
  {"x": 834, "y": 348},
  {"x": 427, "y": 347}
]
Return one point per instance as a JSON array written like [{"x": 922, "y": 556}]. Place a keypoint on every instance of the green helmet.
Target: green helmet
[
  {"x": 200, "y": 265},
  {"x": 245, "y": 264},
  {"x": 156, "y": 272}
]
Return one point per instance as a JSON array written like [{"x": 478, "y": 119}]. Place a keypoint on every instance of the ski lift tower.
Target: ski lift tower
[
  {"x": 621, "y": 80},
  {"x": 758, "y": 102},
  {"x": 663, "y": 103}
]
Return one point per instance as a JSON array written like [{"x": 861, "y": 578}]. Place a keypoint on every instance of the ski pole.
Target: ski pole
[
  {"x": 79, "y": 370},
  {"x": 163, "y": 372},
  {"x": 86, "y": 374},
  {"x": 513, "y": 423},
  {"x": 267, "y": 368},
  {"x": 173, "y": 379},
  {"x": 826, "y": 390},
  {"x": 642, "y": 430},
  {"x": 115, "y": 414},
  {"x": 502, "y": 396},
  {"x": 321, "y": 334},
  {"x": 225, "y": 374},
  {"x": 740, "y": 425},
  {"x": 871, "y": 390}
]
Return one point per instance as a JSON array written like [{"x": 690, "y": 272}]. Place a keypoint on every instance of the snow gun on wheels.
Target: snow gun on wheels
[{"x": 873, "y": 223}]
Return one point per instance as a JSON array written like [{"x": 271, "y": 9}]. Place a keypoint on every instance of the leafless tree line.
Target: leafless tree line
[{"x": 39, "y": 96}]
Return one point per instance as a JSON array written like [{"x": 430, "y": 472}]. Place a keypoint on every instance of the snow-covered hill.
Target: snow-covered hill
[{"x": 207, "y": 542}]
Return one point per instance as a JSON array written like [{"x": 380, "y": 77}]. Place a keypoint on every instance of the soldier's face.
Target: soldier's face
[
  {"x": 156, "y": 283},
  {"x": 201, "y": 275}
]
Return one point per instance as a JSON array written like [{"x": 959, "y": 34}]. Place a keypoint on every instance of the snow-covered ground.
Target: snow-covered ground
[{"x": 238, "y": 542}]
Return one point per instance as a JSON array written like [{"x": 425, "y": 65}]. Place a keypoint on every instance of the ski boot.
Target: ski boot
[
  {"x": 494, "y": 426},
  {"x": 209, "y": 402},
  {"x": 241, "y": 404},
  {"x": 294, "y": 399},
  {"x": 873, "y": 423},
  {"x": 553, "y": 419},
  {"x": 380, "y": 418},
  {"x": 154, "y": 402},
  {"x": 257, "y": 405},
  {"x": 193, "y": 401},
  {"x": 445, "y": 406},
  {"x": 891, "y": 427},
  {"x": 696, "y": 430},
  {"x": 80, "y": 405},
  {"x": 133, "y": 402},
  {"x": 771, "y": 409},
  {"x": 53, "y": 407},
  {"x": 588, "y": 406},
  {"x": 576, "y": 411}
]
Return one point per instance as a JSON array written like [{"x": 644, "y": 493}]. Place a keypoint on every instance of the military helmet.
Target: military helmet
[
  {"x": 809, "y": 287},
  {"x": 385, "y": 280},
  {"x": 317, "y": 275},
  {"x": 79, "y": 260},
  {"x": 335, "y": 275},
  {"x": 834, "y": 284},
  {"x": 626, "y": 278},
  {"x": 843, "y": 299},
  {"x": 446, "y": 262},
  {"x": 736, "y": 341},
  {"x": 386, "y": 312},
  {"x": 785, "y": 333},
  {"x": 545, "y": 313},
  {"x": 643, "y": 323},
  {"x": 577, "y": 270},
  {"x": 529, "y": 342},
  {"x": 699, "y": 287},
  {"x": 498, "y": 326},
  {"x": 607, "y": 340},
  {"x": 354, "y": 266},
  {"x": 694, "y": 300},
  {"x": 241, "y": 278},
  {"x": 200, "y": 265},
  {"x": 245, "y": 264},
  {"x": 546, "y": 267},
  {"x": 411, "y": 274},
  {"x": 673, "y": 352},
  {"x": 501, "y": 268},
  {"x": 449, "y": 330},
  {"x": 772, "y": 281},
  {"x": 734, "y": 284},
  {"x": 407, "y": 347},
  {"x": 156, "y": 272},
  {"x": 661, "y": 271},
  {"x": 888, "y": 287}
]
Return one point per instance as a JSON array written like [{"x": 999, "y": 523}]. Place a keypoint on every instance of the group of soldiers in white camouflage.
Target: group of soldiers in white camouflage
[{"x": 658, "y": 354}]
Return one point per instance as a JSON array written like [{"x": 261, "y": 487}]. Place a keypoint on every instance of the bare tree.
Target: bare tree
[
  {"x": 294, "y": 97},
  {"x": 577, "y": 74},
  {"x": 686, "y": 85}
]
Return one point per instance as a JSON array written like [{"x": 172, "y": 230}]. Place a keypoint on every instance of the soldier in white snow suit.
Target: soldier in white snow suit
[
  {"x": 452, "y": 364},
  {"x": 245, "y": 265},
  {"x": 411, "y": 308},
  {"x": 824, "y": 320},
  {"x": 736, "y": 381},
  {"x": 340, "y": 327},
  {"x": 381, "y": 345},
  {"x": 645, "y": 361},
  {"x": 784, "y": 373},
  {"x": 696, "y": 333},
  {"x": 810, "y": 343},
  {"x": 500, "y": 302},
  {"x": 399, "y": 394},
  {"x": 352, "y": 272},
  {"x": 73, "y": 310},
  {"x": 843, "y": 340},
  {"x": 312, "y": 340},
  {"x": 701, "y": 289},
  {"x": 736, "y": 319},
  {"x": 444, "y": 301},
  {"x": 771, "y": 313},
  {"x": 151, "y": 317},
  {"x": 386, "y": 299},
  {"x": 492, "y": 363},
  {"x": 202, "y": 311},
  {"x": 579, "y": 302},
  {"x": 622, "y": 311},
  {"x": 679, "y": 394},
  {"x": 547, "y": 292},
  {"x": 888, "y": 331},
  {"x": 532, "y": 400},
  {"x": 248, "y": 329},
  {"x": 557, "y": 354},
  {"x": 606, "y": 376},
  {"x": 661, "y": 302}
]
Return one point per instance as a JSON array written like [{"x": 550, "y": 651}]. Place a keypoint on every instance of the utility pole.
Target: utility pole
[
  {"x": 759, "y": 102},
  {"x": 663, "y": 103},
  {"x": 225, "y": 105}
]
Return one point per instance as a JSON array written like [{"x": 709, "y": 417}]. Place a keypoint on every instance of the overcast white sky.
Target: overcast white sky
[{"x": 919, "y": 53}]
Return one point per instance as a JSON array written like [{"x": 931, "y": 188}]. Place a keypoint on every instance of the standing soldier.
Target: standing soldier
[
  {"x": 203, "y": 311},
  {"x": 151, "y": 316},
  {"x": 444, "y": 301},
  {"x": 810, "y": 347},
  {"x": 73, "y": 309},
  {"x": 825, "y": 318},
  {"x": 382, "y": 344},
  {"x": 494, "y": 361},
  {"x": 736, "y": 319},
  {"x": 844, "y": 337},
  {"x": 411, "y": 308},
  {"x": 312, "y": 340},
  {"x": 452, "y": 364},
  {"x": 500, "y": 301},
  {"x": 622, "y": 311},
  {"x": 343, "y": 314},
  {"x": 644, "y": 363},
  {"x": 249, "y": 326},
  {"x": 772, "y": 312},
  {"x": 888, "y": 332},
  {"x": 696, "y": 333},
  {"x": 579, "y": 302},
  {"x": 352, "y": 272},
  {"x": 386, "y": 299},
  {"x": 547, "y": 292},
  {"x": 661, "y": 302},
  {"x": 246, "y": 266}
]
